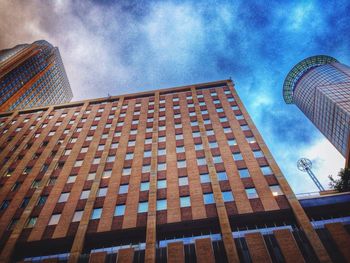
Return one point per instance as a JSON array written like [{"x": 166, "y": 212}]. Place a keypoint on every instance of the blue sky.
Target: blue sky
[{"x": 124, "y": 46}]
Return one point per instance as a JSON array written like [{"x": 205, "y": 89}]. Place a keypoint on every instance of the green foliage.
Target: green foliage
[{"x": 342, "y": 184}]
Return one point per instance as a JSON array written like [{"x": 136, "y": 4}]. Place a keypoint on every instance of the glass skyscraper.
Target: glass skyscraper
[
  {"x": 320, "y": 87},
  {"x": 32, "y": 75}
]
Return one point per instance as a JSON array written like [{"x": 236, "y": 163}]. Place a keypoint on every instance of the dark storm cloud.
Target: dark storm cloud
[{"x": 127, "y": 46}]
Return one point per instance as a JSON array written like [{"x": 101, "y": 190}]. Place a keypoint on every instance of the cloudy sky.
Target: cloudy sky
[{"x": 124, "y": 46}]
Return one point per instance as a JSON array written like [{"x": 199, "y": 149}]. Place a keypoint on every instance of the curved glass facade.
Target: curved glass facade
[{"x": 323, "y": 94}]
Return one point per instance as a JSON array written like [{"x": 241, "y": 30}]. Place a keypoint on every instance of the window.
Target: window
[
  {"x": 51, "y": 181},
  {"x": 223, "y": 119},
  {"x": 213, "y": 145},
  {"x": 245, "y": 127},
  {"x": 239, "y": 117},
  {"x": 227, "y": 196},
  {"x": 266, "y": 170},
  {"x": 143, "y": 207},
  {"x": 4, "y": 204},
  {"x": 129, "y": 156},
  {"x": 210, "y": 132},
  {"x": 102, "y": 191},
  {"x": 196, "y": 134},
  {"x": 31, "y": 222},
  {"x": 148, "y": 140},
  {"x": 131, "y": 143},
  {"x": 208, "y": 198},
  {"x": 243, "y": 173},
  {"x": 201, "y": 161},
  {"x": 91, "y": 176},
  {"x": 107, "y": 174},
  {"x": 96, "y": 213},
  {"x": 144, "y": 186},
  {"x": 63, "y": 197},
  {"x": 222, "y": 176},
  {"x": 161, "y": 139},
  {"x": 179, "y": 137},
  {"x": 146, "y": 168},
  {"x": 54, "y": 219},
  {"x": 123, "y": 189},
  {"x": 251, "y": 139},
  {"x": 185, "y": 201},
  {"x": 198, "y": 147},
  {"x": 161, "y": 128},
  {"x": 183, "y": 181},
  {"x": 119, "y": 210},
  {"x": 180, "y": 149},
  {"x": 35, "y": 184},
  {"x": 161, "y": 184},
  {"x": 181, "y": 164},
  {"x": 16, "y": 186},
  {"x": 42, "y": 200},
  {"x": 217, "y": 159},
  {"x": 88, "y": 138},
  {"x": 162, "y": 151},
  {"x": 205, "y": 178},
  {"x": 232, "y": 142},
  {"x": 71, "y": 179},
  {"x": 78, "y": 163},
  {"x": 147, "y": 154},
  {"x": 161, "y": 166},
  {"x": 110, "y": 158},
  {"x": 77, "y": 216},
  {"x": 85, "y": 194},
  {"x": 24, "y": 202},
  {"x": 12, "y": 224},
  {"x": 67, "y": 152},
  {"x": 227, "y": 130},
  {"x": 237, "y": 156},
  {"x": 258, "y": 154},
  {"x": 96, "y": 160},
  {"x": 194, "y": 123},
  {"x": 161, "y": 204},
  {"x": 94, "y": 127},
  {"x": 251, "y": 193},
  {"x": 178, "y": 126},
  {"x": 101, "y": 147},
  {"x": 207, "y": 121},
  {"x": 276, "y": 190},
  {"x": 235, "y": 107}
]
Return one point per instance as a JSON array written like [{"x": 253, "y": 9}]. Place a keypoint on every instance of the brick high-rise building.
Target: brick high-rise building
[
  {"x": 320, "y": 87},
  {"x": 168, "y": 175},
  {"x": 32, "y": 75}
]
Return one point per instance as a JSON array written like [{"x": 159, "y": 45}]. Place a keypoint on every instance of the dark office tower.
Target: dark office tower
[
  {"x": 320, "y": 87},
  {"x": 171, "y": 175},
  {"x": 32, "y": 75}
]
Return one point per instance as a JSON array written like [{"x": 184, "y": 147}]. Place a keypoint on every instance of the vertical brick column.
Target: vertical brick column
[
  {"x": 173, "y": 201},
  {"x": 98, "y": 257},
  {"x": 150, "y": 253},
  {"x": 175, "y": 252},
  {"x": 9, "y": 247},
  {"x": 204, "y": 251},
  {"x": 341, "y": 238},
  {"x": 226, "y": 231},
  {"x": 288, "y": 246},
  {"x": 298, "y": 211},
  {"x": 125, "y": 255},
  {"x": 79, "y": 237},
  {"x": 257, "y": 248},
  {"x": 236, "y": 184}
]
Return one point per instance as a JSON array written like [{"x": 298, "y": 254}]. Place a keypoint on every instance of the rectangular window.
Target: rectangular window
[
  {"x": 78, "y": 163},
  {"x": 127, "y": 171},
  {"x": 85, "y": 194},
  {"x": 77, "y": 216},
  {"x": 276, "y": 190},
  {"x": 180, "y": 149},
  {"x": 251, "y": 193},
  {"x": 245, "y": 127},
  {"x": 213, "y": 145},
  {"x": 107, "y": 174},
  {"x": 143, "y": 207},
  {"x": 144, "y": 186},
  {"x": 251, "y": 139},
  {"x": 110, "y": 158},
  {"x": 102, "y": 191},
  {"x": 96, "y": 213},
  {"x": 208, "y": 198},
  {"x": 198, "y": 147},
  {"x": 161, "y": 152},
  {"x": 96, "y": 160},
  {"x": 123, "y": 189},
  {"x": 161, "y": 166},
  {"x": 161, "y": 184},
  {"x": 183, "y": 181},
  {"x": 232, "y": 142},
  {"x": 239, "y": 117},
  {"x": 91, "y": 176},
  {"x": 181, "y": 164},
  {"x": 119, "y": 210},
  {"x": 146, "y": 168},
  {"x": 201, "y": 161},
  {"x": 54, "y": 219},
  {"x": 258, "y": 154},
  {"x": 31, "y": 222},
  {"x": 266, "y": 170},
  {"x": 147, "y": 154},
  {"x": 227, "y": 196},
  {"x": 71, "y": 179},
  {"x": 243, "y": 173},
  {"x": 205, "y": 178},
  {"x": 42, "y": 200},
  {"x": 185, "y": 201},
  {"x": 237, "y": 156},
  {"x": 222, "y": 176},
  {"x": 179, "y": 137},
  {"x": 161, "y": 204},
  {"x": 129, "y": 156},
  {"x": 217, "y": 159},
  {"x": 63, "y": 197}
]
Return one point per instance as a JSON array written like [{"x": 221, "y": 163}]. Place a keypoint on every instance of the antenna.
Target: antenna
[{"x": 305, "y": 165}]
